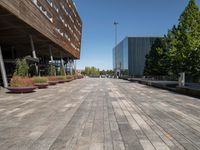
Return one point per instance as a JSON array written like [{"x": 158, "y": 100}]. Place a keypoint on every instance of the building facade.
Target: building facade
[
  {"x": 43, "y": 29},
  {"x": 129, "y": 55}
]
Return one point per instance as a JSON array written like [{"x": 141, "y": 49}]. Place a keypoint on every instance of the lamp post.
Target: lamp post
[{"x": 116, "y": 24}]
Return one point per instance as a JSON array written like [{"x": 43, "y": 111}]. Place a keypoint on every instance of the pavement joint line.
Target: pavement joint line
[
  {"x": 170, "y": 125},
  {"x": 105, "y": 114}
]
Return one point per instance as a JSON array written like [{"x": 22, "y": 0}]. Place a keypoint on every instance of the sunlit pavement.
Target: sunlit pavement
[{"x": 97, "y": 114}]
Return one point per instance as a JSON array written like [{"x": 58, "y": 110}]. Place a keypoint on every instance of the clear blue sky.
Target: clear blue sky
[{"x": 135, "y": 17}]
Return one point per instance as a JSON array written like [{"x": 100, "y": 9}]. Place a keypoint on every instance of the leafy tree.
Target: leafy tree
[
  {"x": 110, "y": 72},
  {"x": 184, "y": 52},
  {"x": 87, "y": 71},
  {"x": 181, "y": 49},
  {"x": 124, "y": 72},
  {"x": 73, "y": 72},
  {"x": 170, "y": 40},
  {"x": 156, "y": 59},
  {"x": 103, "y": 72},
  {"x": 52, "y": 70},
  {"x": 94, "y": 71},
  {"x": 21, "y": 68},
  {"x": 91, "y": 71},
  {"x": 62, "y": 71}
]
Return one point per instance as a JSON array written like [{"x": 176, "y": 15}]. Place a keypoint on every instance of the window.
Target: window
[
  {"x": 67, "y": 37},
  {"x": 59, "y": 31},
  {"x": 43, "y": 10},
  {"x": 56, "y": 8},
  {"x": 50, "y": 2},
  {"x": 76, "y": 48},
  {"x": 63, "y": 21}
]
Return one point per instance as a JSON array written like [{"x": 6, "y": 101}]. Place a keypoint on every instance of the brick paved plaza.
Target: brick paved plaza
[{"x": 99, "y": 114}]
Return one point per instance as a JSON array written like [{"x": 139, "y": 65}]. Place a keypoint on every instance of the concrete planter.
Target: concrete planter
[
  {"x": 41, "y": 85},
  {"x": 52, "y": 82},
  {"x": 21, "y": 89},
  {"x": 188, "y": 91},
  {"x": 68, "y": 80},
  {"x": 61, "y": 81}
]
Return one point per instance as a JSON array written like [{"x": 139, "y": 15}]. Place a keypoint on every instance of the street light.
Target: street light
[{"x": 115, "y": 24}]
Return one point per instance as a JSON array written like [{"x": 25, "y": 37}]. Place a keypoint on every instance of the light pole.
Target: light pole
[{"x": 115, "y": 24}]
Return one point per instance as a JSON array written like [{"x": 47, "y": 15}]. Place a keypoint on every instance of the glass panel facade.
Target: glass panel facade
[
  {"x": 129, "y": 55},
  {"x": 120, "y": 57}
]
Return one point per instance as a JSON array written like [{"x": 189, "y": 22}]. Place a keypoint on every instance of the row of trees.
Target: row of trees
[
  {"x": 107, "y": 72},
  {"x": 22, "y": 69},
  {"x": 92, "y": 71},
  {"x": 179, "y": 50}
]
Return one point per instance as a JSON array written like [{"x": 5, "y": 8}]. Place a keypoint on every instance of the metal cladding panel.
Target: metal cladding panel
[
  {"x": 57, "y": 20},
  {"x": 138, "y": 48}
]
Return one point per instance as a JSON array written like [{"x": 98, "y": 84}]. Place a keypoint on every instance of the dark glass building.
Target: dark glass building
[{"x": 129, "y": 55}]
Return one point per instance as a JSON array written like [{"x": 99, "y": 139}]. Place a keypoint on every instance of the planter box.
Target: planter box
[
  {"x": 21, "y": 89},
  {"x": 41, "y": 85},
  {"x": 61, "y": 81},
  {"x": 52, "y": 82},
  {"x": 68, "y": 80},
  {"x": 190, "y": 91}
]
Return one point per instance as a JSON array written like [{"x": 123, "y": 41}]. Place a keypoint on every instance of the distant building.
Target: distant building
[{"x": 129, "y": 55}]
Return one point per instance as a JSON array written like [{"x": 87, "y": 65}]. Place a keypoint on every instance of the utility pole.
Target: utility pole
[{"x": 116, "y": 24}]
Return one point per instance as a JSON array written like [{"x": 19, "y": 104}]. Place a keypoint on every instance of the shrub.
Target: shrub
[
  {"x": 52, "y": 78},
  {"x": 40, "y": 79},
  {"x": 61, "y": 77},
  {"x": 21, "y": 68},
  {"x": 62, "y": 71},
  {"x": 18, "y": 81},
  {"x": 51, "y": 70}
]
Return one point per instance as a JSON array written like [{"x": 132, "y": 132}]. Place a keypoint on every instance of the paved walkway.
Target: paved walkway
[{"x": 99, "y": 114}]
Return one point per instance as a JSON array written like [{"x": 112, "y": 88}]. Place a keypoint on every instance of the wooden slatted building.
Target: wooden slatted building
[{"x": 44, "y": 29}]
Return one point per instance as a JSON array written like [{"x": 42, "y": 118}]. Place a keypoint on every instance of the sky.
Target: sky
[{"x": 135, "y": 18}]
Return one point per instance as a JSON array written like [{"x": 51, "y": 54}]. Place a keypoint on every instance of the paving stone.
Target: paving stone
[{"x": 99, "y": 114}]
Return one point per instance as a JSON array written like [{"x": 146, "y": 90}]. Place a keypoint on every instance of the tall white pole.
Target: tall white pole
[
  {"x": 51, "y": 55},
  {"x": 34, "y": 53},
  {"x": 32, "y": 46},
  {"x": 3, "y": 71},
  {"x": 62, "y": 61}
]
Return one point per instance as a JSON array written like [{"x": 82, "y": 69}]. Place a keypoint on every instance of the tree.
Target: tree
[
  {"x": 21, "y": 68},
  {"x": 184, "y": 52},
  {"x": 155, "y": 64},
  {"x": 103, "y": 72},
  {"x": 110, "y": 72},
  {"x": 94, "y": 71},
  {"x": 91, "y": 71},
  {"x": 170, "y": 40},
  {"x": 51, "y": 70},
  {"x": 62, "y": 71},
  {"x": 87, "y": 71}
]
